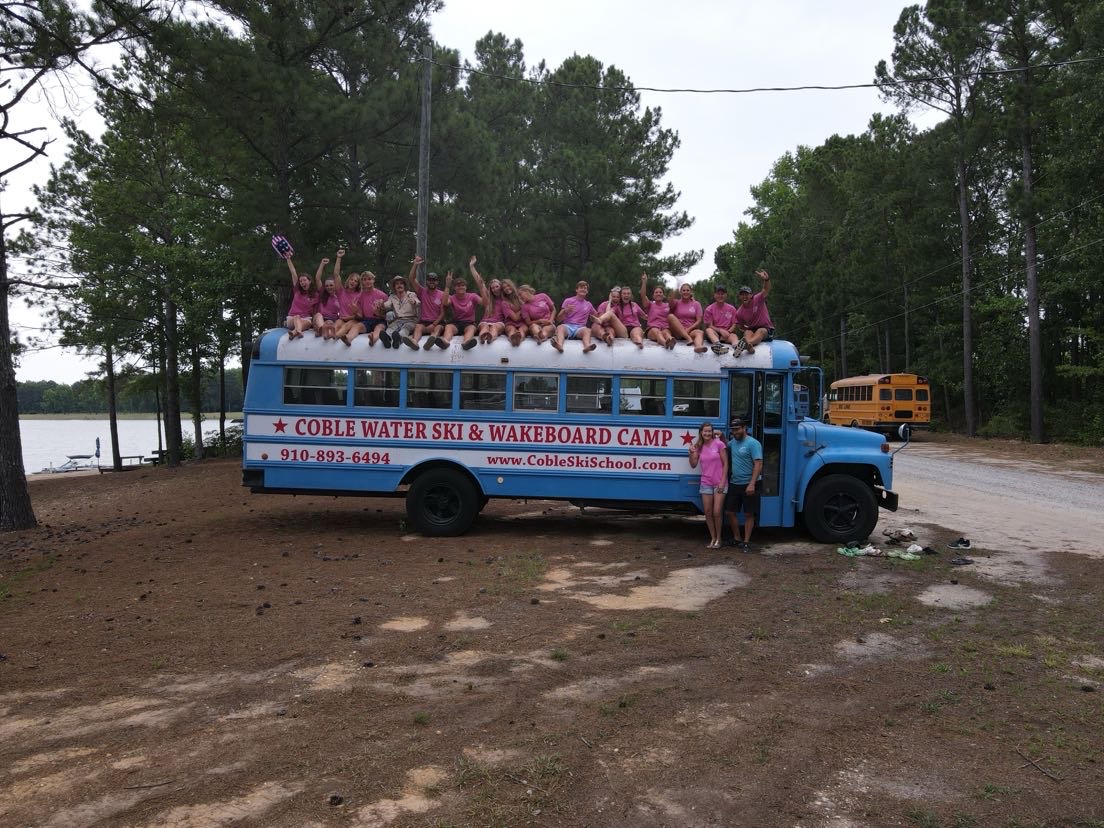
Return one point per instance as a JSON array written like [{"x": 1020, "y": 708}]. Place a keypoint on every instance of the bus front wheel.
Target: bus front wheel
[
  {"x": 839, "y": 508},
  {"x": 442, "y": 503}
]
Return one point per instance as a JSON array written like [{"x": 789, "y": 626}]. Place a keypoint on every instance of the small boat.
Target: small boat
[{"x": 75, "y": 462}]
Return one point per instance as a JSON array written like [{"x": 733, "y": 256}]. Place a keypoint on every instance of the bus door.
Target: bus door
[{"x": 759, "y": 399}]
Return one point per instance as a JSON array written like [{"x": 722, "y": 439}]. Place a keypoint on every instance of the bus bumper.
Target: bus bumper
[{"x": 887, "y": 499}]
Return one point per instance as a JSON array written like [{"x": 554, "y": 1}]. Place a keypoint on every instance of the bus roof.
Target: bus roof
[
  {"x": 623, "y": 356},
  {"x": 874, "y": 379}
]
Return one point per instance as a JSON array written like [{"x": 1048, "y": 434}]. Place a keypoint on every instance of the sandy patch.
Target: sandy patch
[
  {"x": 684, "y": 589},
  {"x": 327, "y": 676},
  {"x": 30, "y": 763},
  {"x": 875, "y": 645},
  {"x": 492, "y": 756},
  {"x": 405, "y": 624},
  {"x": 249, "y": 806},
  {"x": 97, "y": 811},
  {"x": 462, "y": 621},
  {"x": 415, "y": 799},
  {"x": 568, "y": 579},
  {"x": 595, "y": 688},
  {"x": 953, "y": 596}
]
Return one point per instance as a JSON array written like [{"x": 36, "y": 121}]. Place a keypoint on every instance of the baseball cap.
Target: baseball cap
[
  {"x": 744, "y": 289},
  {"x": 431, "y": 275},
  {"x": 720, "y": 289},
  {"x": 736, "y": 422}
]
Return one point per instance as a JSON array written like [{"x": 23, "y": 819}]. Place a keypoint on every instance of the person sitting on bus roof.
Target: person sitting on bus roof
[
  {"x": 752, "y": 318},
  {"x": 492, "y": 323},
  {"x": 404, "y": 304},
  {"x": 512, "y": 319},
  {"x": 461, "y": 304},
  {"x": 607, "y": 324},
  {"x": 720, "y": 322},
  {"x": 371, "y": 310},
  {"x": 431, "y": 305},
  {"x": 574, "y": 318},
  {"x": 630, "y": 314},
  {"x": 350, "y": 308},
  {"x": 538, "y": 310},
  {"x": 329, "y": 302},
  {"x": 658, "y": 310},
  {"x": 304, "y": 302},
  {"x": 686, "y": 318}
]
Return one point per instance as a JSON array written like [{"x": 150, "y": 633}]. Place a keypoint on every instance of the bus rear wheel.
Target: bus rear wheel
[
  {"x": 442, "y": 503},
  {"x": 839, "y": 508}
]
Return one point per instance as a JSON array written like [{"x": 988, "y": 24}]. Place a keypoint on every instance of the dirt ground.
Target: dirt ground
[{"x": 177, "y": 652}]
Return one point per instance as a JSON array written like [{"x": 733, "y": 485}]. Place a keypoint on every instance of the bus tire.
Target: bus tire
[
  {"x": 840, "y": 508},
  {"x": 442, "y": 503}
]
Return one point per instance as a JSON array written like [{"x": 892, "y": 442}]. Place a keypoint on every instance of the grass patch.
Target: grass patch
[
  {"x": 421, "y": 718},
  {"x": 1013, "y": 651},
  {"x": 9, "y": 583},
  {"x": 559, "y": 655}
]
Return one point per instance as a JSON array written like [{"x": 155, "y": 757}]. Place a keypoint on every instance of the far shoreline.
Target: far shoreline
[{"x": 130, "y": 415}]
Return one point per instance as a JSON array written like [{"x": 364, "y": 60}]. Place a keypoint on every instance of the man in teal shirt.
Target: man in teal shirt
[{"x": 745, "y": 455}]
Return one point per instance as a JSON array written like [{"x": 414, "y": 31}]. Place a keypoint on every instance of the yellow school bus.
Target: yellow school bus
[{"x": 880, "y": 402}]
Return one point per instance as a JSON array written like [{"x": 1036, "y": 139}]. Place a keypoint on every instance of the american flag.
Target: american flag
[{"x": 282, "y": 247}]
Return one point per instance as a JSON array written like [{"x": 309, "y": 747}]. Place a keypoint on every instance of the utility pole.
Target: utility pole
[{"x": 423, "y": 159}]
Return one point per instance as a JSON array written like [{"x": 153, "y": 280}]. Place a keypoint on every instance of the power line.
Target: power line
[{"x": 756, "y": 89}]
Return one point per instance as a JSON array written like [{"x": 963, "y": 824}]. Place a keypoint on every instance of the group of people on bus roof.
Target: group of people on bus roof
[{"x": 333, "y": 308}]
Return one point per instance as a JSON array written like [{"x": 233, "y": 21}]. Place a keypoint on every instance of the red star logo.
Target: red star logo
[
  {"x": 688, "y": 438},
  {"x": 279, "y": 425}
]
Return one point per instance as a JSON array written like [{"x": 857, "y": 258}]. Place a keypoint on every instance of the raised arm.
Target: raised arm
[
  {"x": 412, "y": 278},
  {"x": 337, "y": 267},
  {"x": 764, "y": 277},
  {"x": 645, "y": 303},
  {"x": 294, "y": 275},
  {"x": 318, "y": 274},
  {"x": 479, "y": 284}
]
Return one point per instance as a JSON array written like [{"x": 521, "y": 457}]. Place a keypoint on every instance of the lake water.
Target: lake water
[{"x": 48, "y": 442}]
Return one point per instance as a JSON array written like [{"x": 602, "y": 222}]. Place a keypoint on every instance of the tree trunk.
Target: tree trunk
[
  {"x": 112, "y": 408},
  {"x": 1034, "y": 337},
  {"x": 222, "y": 397},
  {"x": 969, "y": 409},
  {"x": 15, "y": 499},
  {"x": 172, "y": 387},
  {"x": 197, "y": 403}
]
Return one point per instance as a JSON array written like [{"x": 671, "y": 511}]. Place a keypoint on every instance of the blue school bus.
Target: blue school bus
[{"x": 448, "y": 430}]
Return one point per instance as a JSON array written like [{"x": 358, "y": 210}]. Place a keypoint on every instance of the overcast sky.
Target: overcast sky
[{"x": 729, "y": 141}]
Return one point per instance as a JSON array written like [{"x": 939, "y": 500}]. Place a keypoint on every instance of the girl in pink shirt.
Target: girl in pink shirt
[
  {"x": 510, "y": 311},
  {"x": 658, "y": 310},
  {"x": 629, "y": 314},
  {"x": 686, "y": 319},
  {"x": 329, "y": 302},
  {"x": 607, "y": 324},
  {"x": 304, "y": 302},
  {"x": 538, "y": 310},
  {"x": 709, "y": 450},
  {"x": 492, "y": 324}
]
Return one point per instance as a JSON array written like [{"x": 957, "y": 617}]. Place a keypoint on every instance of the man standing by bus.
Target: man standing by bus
[
  {"x": 745, "y": 463},
  {"x": 752, "y": 317}
]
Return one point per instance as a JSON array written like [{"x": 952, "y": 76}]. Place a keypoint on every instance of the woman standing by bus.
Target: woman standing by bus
[{"x": 709, "y": 450}]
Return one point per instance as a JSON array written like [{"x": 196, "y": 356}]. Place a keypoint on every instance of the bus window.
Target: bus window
[
  {"x": 904, "y": 394},
  {"x": 885, "y": 394},
  {"x": 429, "y": 389},
  {"x": 588, "y": 395},
  {"x": 376, "y": 388},
  {"x": 642, "y": 395},
  {"x": 700, "y": 399},
  {"x": 921, "y": 394},
  {"x": 482, "y": 392},
  {"x": 315, "y": 386},
  {"x": 536, "y": 392},
  {"x": 739, "y": 398}
]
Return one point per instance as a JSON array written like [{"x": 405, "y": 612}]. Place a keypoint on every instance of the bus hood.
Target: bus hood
[{"x": 839, "y": 437}]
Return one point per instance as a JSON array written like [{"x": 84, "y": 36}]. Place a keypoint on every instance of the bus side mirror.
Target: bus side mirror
[{"x": 904, "y": 432}]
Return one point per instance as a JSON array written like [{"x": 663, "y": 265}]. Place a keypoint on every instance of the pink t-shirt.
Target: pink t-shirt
[
  {"x": 431, "y": 301},
  {"x": 754, "y": 315},
  {"x": 712, "y": 462},
  {"x": 720, "y": 316},
  {"x": 687, "y": 311},
  {"x": 508, "y": 313},
  {"x": 329, "y": 305},
  {"x": 494, "y": 312},
  {"x": 303, "y": 304},
  {"x": 349, "y": 303},
  {"x": 628, "y": 314},
  {"x": 463, "y": 306},
  {"x": 657, "y": 315},
  {"x": 578, "y": 310},
  {"x": 368, "y": 301},
  {"x": 540, "y": 306}
]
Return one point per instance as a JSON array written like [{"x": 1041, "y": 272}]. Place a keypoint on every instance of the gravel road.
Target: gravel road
[{"x": 1000, "y": 504}]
